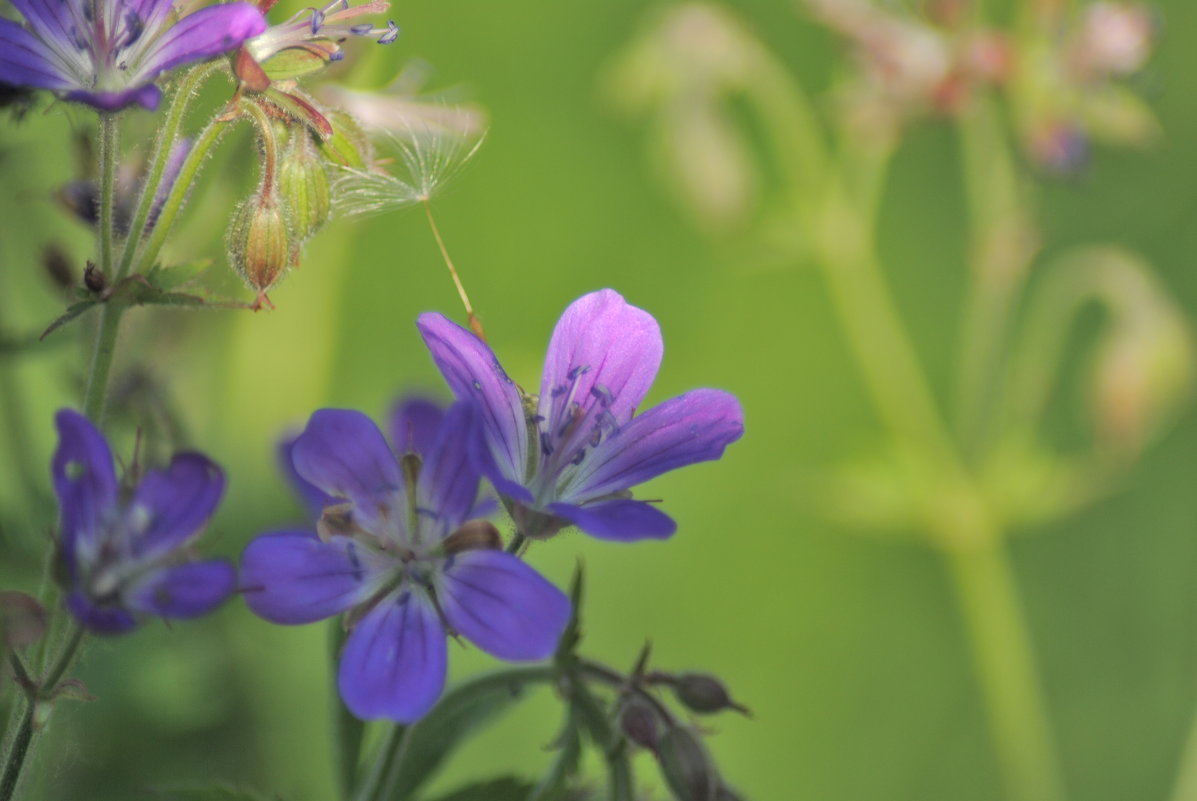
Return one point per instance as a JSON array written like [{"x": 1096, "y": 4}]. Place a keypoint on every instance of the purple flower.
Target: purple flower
[
  {"x": 126, "y": 552},
  {"x": 401, "y": 555},
  {"x": 571, "y": 454},
  {"x": 107, "y": 53}
]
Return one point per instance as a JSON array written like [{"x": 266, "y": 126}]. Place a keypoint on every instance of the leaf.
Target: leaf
[
  {"x": 565, "y": 766},
  {"x": 460, "y": 712},
  {"x": 508, "y": 788},
  {"x": 573, "y": 630},
  {"x": 347, "y": 728},
  {"x": 167, "y": 278},
  {"x": 73, "y": 311},
  {"x": 215, "y": 792}
]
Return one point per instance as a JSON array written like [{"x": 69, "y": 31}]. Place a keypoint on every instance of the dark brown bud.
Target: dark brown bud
[
  {"x": 472, "y": 536},
  {"x": 22, "y": 619},
  {"x": 93, "y": 278},
  {"x": 639, "y": 723},
  {"x": 700, "y": 692},
  {"x": 686, "y": 765}
]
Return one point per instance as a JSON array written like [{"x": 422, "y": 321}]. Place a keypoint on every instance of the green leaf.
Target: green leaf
[
  {"x": 214, "y": 792},
  {"x": 507, "y": 788},
  {"x": 565, "y": 766},
  {"x": 73, "y": 311},
  {"x": 347, "y": 729},
  {"x": 573, "y": 630},
  {"x": 167, "y": 278},
  {"x": 460, "y": 712}
]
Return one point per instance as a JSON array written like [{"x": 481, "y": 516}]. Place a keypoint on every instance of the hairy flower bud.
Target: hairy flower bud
[
  {"x": 638, "y": 722},
  {"x": 349, "y": 146},
  {"x": 303, "y": 186},
  {"x": 259, "y": 242},
  {"x": 700, "y": 692},
  {"x": 687, "y": 767}
]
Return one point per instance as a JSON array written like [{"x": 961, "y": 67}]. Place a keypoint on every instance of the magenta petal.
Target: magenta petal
[
  {"x": 694, "y": 427},
  {"x": 26, "y": 61},
  {"x": 413, "y": 424},
  {"x": 293, "y": 577},
  {"x": 172, "y": 505},
  {"x": 616, "y": 347},
  {"x": 208, "y": 32},
  {"x": 502, "y": 605},
  {"x": 84, "y": 479},
  {"x": 620, "y": 520},
  {"x": 393, "y": 665},
  {"x": 344, "y": 454},
  {"x": 475, "y": 375},
  {"x": 184, "y": 591}
]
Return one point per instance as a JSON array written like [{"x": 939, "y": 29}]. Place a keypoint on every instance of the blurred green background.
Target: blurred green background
[{"x": 849, "y": 647}]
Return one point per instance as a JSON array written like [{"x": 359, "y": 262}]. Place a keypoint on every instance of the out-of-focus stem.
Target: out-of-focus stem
[
  {"x": 1002, "y": 248},
  {"x": 964, "y": 528},
  {"x": 109, "y": 151},
  {"x": 472, "y": 318},
  {"x": 23, "y": 739},
  {"x": 1186, "y": 777}
]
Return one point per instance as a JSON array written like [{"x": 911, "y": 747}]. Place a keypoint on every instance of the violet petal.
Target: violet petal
[
  {"x": 693, "y": 427},
  {"x": 84, "y": 479},
  {"x": 184, "y": 591},
  {"x": 475, "y": 375},
  {"x": 619, "y": 520},
  {"x": 207, "y": 32},
  {"x": 393, "y": 665},
  {"x": 293, "y": 577},
  {"x": 448, "y": 485},
  {"x": 413, "y": 424},
  {"x": 26, "y": 61},
  {"x": 172, "y": 505},
  {"x": 344, "y": 454},
  {"x": 100, "y": 619},
  {"x": 502, "y": 605},
  {"x": 314, "y": 499}
]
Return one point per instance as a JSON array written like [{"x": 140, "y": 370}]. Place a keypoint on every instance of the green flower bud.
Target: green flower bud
[
  {"x": 349, "y": 146},
  {"x": 303, "y": 186},
  {"x": 703, "y": 693},
  {"x": 688, "y": 769},
  {"x": 259, "y": 243}
]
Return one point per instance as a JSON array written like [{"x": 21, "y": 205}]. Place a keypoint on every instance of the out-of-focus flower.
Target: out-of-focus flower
[
  {"x": 107, "y": 53},
  {"x": 309, "y": 41},
  {"x": 571, "y": 455},
  {"x": 1112, "y": 39},
  {"x": 401, "y": 555},
  {"x": 126, "y": 554}
]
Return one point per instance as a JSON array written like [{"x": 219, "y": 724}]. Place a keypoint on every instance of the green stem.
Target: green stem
[
  {"x": 105, "y": 345},
  {"x": 961, "y": 522},
  {"x": 167, "y": 140},
  {"x": 1004, "y": 658},
  {"x": 22, "y": 741},
  {"x": 1002, "y": 248},
  {"x": 178, "y": 191},
  {"x": 388, "y": 752}
]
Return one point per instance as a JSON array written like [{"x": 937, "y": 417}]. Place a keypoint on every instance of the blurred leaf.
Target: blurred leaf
[
  {"x": 348, "y": 729},
  {"x": 573, "y": 630},
  {"x": 569, "y": 753},
  {"x": 215, "y": 792},
  {"x": 460, "y": 712},
  {"x": 508, "y": 788}
]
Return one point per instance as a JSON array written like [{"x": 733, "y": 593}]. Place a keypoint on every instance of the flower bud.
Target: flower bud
[
  {"x": 259, "y": 243},
  {"x": 303, "y": 186},
  {"x": 702, "y": 693},
  {"x": 638, "y": 722},
  {"x": 349, "y": 146},
  {"x": 687, "y": 767}
]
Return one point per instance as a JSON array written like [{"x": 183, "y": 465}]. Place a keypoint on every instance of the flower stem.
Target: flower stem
[
  {"x": 1004, "y": 657},
  {"x": 22, "y": 741},
  {"x": 105, "y": 345},
  {"x": 388, "y": 751},
  {"x": 162, "y": 152},
  {"x": 963, "y": 526}
]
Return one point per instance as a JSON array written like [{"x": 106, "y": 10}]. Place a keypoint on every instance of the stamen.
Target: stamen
[
  {"x": 602, "y": 394},
  {"x": 134, "y": 27},
  {"x": 546, "y": 445},
  {"x": 317, "y": 20},
  {"x": 362, "y": 29},
  {"x": 391, "y": 34},
  {"x": 578, "y": 457}
]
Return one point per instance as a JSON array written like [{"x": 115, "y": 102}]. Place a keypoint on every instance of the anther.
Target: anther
[{"x": 391, "y": 34}]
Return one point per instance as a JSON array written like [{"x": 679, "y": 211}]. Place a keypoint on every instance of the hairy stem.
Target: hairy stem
[{"x": 105, "y": 344}]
